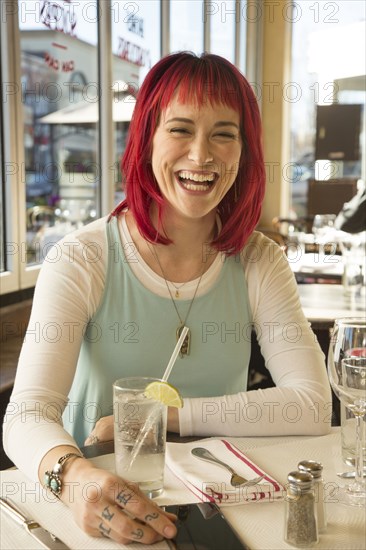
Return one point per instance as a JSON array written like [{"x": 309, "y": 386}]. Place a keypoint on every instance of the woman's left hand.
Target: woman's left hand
[{"x": 104, "y": 429}]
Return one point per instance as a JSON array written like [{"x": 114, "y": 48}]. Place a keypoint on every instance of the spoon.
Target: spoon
[{"x": 236, "y": 479}]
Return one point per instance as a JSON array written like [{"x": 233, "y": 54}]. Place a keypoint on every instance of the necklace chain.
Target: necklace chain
[
  {"x": 187, "y": 341},
  {"x": 177, "y": 287}
]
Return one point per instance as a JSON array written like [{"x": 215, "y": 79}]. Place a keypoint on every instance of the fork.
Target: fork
[{"x": 236, "y": 479}]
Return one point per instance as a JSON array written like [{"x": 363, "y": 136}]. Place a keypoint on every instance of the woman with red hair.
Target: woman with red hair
[
  {"x": 180, "y": 250},
  {"x": 208, "y": 81}
]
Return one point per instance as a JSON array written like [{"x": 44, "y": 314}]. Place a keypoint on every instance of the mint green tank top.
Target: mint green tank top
[{"x": 133, "y": 333}]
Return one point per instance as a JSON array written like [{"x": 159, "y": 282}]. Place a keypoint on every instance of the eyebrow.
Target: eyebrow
[{"x": 216, "y": 125}]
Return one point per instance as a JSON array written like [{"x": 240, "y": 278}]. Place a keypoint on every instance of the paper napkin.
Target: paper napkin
[{"x": 211, "y": 482}]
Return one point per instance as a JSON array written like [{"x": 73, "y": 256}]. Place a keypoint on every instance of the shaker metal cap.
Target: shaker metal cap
[
  {"x": 303, "y": 480},
  {"x": 311, "y": 466}
]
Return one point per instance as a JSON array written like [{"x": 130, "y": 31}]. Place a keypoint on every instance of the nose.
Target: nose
[{"x": 199, "y": 151}]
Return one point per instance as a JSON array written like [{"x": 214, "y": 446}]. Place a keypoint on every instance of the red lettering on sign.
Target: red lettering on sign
[
  {"x": 51, "y": 61},
  {"x": 67, "y": 66},
  {"x": 133, "y": 53}
]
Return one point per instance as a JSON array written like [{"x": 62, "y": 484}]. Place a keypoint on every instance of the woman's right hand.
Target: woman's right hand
[{"x": 105, "y": 505}]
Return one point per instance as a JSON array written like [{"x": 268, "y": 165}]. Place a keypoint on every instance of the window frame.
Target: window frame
[{"x": 10, "y": 66}]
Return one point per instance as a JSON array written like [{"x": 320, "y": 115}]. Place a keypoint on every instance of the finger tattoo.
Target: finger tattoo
[
  {"x": 107, "y": 514},
  {"x": 123, "y": 498},
  {"x": 104, "y": 530},
  {"x": 138, "y": 534},
  {"x": 151, "y": 517}
]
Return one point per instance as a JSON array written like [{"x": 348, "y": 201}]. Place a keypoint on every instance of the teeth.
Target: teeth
[
  {"x": 194, "y": 176},
  {"x": 195, "y": 187}
]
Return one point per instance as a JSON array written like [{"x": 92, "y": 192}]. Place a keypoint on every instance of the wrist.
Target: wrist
[
  {"x": 54, "y": 479},
  {"x": 74, "y": 469},
  {"x": 173, "y": 419}
]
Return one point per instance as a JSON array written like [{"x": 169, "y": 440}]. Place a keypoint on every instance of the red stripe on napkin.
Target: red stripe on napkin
[{"x": 254, "y": 467}]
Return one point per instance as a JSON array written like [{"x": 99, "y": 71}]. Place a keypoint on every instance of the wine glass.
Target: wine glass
[
  {"x": 348, "y": 340},
  {"x": 352, "y": 391},
  {"x": 323, "y": 229},
  {"x": 322, "y": 224}
]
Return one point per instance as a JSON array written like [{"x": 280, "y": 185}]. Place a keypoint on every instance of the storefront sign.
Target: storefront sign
[
  {"x": 135, "y": 24},
  {"x": 133, "y": 53},
  {"x": 58, "y": 17},
  {"x": 58, "y": 65}
]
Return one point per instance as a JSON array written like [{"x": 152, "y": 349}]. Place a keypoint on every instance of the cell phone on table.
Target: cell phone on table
[{"x": 203, "y": 527}]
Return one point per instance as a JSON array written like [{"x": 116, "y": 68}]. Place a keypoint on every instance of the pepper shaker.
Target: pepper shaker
[
  {"x": 301, "y": 528},
  {"x": 316, "y": 470}
]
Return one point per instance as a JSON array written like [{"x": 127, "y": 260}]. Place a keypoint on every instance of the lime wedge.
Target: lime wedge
[{"x": 165, "y": 393}]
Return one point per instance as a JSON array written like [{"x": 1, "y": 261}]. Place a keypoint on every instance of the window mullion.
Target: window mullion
[
  {"x": 206, "y": 28},
  {"x": 165, "y": 27},
  {"x": 106, "y": 124},
  {"x": 14, "y": 181},
  {"x": 238, "y": 30},
  {"x": 254, "y": 46}
]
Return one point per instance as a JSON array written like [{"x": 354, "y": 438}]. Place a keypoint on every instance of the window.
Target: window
[
  {"x": 135, "y": 49},
  {"x": 10, "y": 170},
  {"x": 328, "y": 67},
  {"x": 60, "y": 94},
  {"x": 222, "y": 31},
  {"x": 186, "y": 26},
  {"x": 54, "y": 56}
]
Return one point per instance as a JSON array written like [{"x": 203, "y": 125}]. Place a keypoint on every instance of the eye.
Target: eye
[
  {"x": 226, "y": 135},
  {"x": 178, "y": 131}
]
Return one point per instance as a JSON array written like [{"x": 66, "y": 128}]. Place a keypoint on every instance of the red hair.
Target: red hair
[{"x": 195, "y": 79}]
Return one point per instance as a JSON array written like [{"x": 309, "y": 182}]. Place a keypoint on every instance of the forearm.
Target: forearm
[
  {"x": 268, "y": 412},
  {"x": 47, "y": 364}
]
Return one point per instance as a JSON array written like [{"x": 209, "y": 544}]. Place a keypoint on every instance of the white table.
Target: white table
[
  {"x": 323, "y": 303},
  {"x": 259, "y": 524},
  {"x": 310, "y": 268}
]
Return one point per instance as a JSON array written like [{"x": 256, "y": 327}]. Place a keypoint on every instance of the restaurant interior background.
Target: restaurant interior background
[{"x": 70, "y": 70}]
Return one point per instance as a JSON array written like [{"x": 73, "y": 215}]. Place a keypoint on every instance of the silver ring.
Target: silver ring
[{"x": 93, "y": 439}]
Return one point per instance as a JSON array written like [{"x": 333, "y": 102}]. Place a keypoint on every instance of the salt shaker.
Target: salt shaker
[
  {"x": 301, "y": 528},
  {"x": 316, "y": 470}
]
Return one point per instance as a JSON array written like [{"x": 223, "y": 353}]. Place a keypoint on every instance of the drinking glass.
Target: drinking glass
[
  {"x": 351, "y": 389},
  {"x": 139, "y": 435},
  {"x": 353, "y": 258},
  {"x": 323, "y": 229},
  {"x": 348, "y": 340},
  {"x": 322, "y": 223}
]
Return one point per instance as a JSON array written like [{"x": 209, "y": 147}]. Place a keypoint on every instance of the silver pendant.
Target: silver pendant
[{"x": 184, "y": 350}]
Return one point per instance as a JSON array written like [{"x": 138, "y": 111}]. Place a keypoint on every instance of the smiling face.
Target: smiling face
[{"x": 195, "y": 155}]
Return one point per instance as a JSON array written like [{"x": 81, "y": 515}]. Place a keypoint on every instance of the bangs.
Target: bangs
[{"x": 200, "y": 82}]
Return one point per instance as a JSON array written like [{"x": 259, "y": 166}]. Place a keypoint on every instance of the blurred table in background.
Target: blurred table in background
[
  {"x": 314, "y": 267},
  {"x": 323, "y": 303},
  {"x": 322, "y": 259}
]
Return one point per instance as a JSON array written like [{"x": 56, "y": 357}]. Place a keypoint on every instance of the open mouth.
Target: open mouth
[{"x": 196, "y": 181}]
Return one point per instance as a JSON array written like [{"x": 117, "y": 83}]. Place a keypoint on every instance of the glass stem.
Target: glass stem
[{"x": 359, "y": 448}]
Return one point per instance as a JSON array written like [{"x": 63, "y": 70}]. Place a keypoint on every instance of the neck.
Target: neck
[
  {"x": 188, "y": 256},
  {"x": 187, "y": 234}
]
